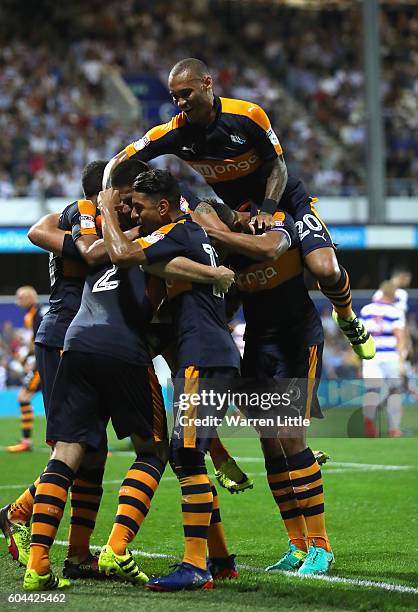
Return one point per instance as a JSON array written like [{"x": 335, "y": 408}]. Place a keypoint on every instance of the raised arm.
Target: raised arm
[
  {"x": 46, "y": 235},
  {"x": 268, "y": 246},
  {"x": 209, "y": 216},
  {"x": 122, "y": 252},
  {"x": 96, "y": 252},
  {"x": 186, "y": 270},
  {"x": 276, "y": 183},
  {"x": 115, "y": 161}
]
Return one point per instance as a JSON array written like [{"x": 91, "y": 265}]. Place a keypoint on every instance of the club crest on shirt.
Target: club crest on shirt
[
  {"x": 154, "y": 237},
  {"x": 237, "y": 139},
  {"x": 87, "y": 221}
]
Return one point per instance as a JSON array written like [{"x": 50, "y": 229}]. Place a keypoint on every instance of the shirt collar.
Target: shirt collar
[{"x": 186, "y": 216}]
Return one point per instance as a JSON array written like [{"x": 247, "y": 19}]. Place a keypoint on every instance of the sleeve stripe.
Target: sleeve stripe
[
  {"x": 130, "y": 150},
  {"x": 159, "y": 234},
  {"x": 283, "y": 231},
  {"x": 143, "y": 243},
  {"x": 155, "y": 133},
  {"x": 247, "y": 109},
  {"x": 84, "y": 231},
  {"x": 162, "y": 130},
  {"x": 87, "y": 207}
]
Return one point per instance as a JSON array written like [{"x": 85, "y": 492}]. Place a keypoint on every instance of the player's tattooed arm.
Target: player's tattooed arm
[
  {"x": 186, "y": 270},
  {"x": 276, "y": 175},
  {"x": 276, "y": 183},
  {"x": 268, "y": 246},
  {"x": 212, "y": 207},
  {"x": 121, "y": 250},
  {"x": 95, "y": 252},
  {"x": 46, "y": 234}
]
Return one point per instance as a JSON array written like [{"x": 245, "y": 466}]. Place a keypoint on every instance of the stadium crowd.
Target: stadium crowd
[
  {"x": 322, "y": 66},
  {"x": 339, "y": 362},
  {"x": 54, "y": 115}
]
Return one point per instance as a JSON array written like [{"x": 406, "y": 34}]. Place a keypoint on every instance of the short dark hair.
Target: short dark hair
[
  {"x": 92, "y": 177},
  {"x": 190, "y": 64},
  {"x": 159, "y": 184},
  {"x": 126, "y": 172}
]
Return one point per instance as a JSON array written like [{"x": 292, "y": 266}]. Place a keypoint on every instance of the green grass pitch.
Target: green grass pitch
[{"x": 371, "y": 507}]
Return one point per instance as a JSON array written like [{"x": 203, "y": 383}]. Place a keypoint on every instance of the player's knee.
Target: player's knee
[
  {"x": 324, "y": 265},
  {"x": 148, "y": 446},
  {"x": 187, "y": 461},
  {"x": 94, "y": 460},
  {"x": 69, "y": 453},
  {"x": 292, "y": 446},
  {"x": 162, "y": 451},
  {"x": 271, "y": 447}
]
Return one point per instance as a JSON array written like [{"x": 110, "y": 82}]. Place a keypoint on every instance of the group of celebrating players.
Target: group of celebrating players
[{"x": 135, "y": 274}]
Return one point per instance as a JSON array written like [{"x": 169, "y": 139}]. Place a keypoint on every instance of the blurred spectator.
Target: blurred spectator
[
  {"x": 3, "y": 373},
  {"x": 14, "y": 347},
  {"x": 54, "y": 116}
]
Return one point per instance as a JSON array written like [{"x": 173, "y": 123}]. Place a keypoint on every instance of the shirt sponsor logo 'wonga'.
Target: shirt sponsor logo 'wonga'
[
  {"x": 227, "y": 169},
  {"x": 250, "y": 281}
]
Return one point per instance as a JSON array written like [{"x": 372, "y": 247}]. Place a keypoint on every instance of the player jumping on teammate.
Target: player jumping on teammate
[{"x": 232, "y": 144}]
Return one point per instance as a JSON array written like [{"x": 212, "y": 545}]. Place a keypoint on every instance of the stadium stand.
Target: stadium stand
[{"x": 56, "y": 115}]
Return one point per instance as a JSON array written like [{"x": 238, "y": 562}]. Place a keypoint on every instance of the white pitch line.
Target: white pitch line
[
  {"x": 385, "y": 586},
  {"x": 173, "y": 478},
  {"x": 371, "y": 466},
  {"x": 328, "y": 471},
  {"x": 328, "y": 468}
]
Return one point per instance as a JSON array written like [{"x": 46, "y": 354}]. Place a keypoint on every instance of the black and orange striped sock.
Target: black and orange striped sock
[
  {"x": 281, "y": 488},
  {"x": 196, "y": 504},
  {"x": 339, "y": 295},
  {"x": 216, "y": 536},
  {"x": 20, "y": 511},
  {"x": 306, "y": 479},
  {"x": 50, "y": 498},
  {"x": 26, "y": 419},
  {"x": 135, "y": 497},
  {"x": 86, "y": 494}
]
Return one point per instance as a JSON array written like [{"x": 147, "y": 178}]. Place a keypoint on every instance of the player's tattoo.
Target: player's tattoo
[
  {"x": 204, "y": 208},
  {"x": 227, "y": 215},
  {"x": 277, "y": 180}
]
